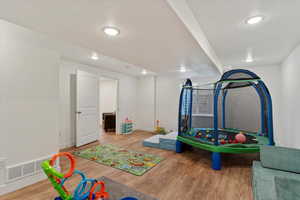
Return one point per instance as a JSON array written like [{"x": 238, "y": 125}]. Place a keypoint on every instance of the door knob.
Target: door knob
[{"x": 78, "y": 112}]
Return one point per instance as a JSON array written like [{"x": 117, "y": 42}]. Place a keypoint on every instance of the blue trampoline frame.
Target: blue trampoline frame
[{"x": 265, "y": 105}]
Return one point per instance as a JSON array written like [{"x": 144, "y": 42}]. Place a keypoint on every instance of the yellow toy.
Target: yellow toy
[{"x": 159, "y": 130}]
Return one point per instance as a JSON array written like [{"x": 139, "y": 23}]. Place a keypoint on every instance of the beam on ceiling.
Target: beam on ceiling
[{"x": 186, "y": 15}]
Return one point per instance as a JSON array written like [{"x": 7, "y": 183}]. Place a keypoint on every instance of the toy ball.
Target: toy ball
[{"x": 241, "y": 138}]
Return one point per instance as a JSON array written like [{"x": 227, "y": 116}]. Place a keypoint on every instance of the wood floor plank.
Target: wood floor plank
[{"x": 178, "y": 176}]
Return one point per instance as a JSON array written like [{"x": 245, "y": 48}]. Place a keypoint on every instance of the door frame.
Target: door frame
[{"x": 117, "y": 100}]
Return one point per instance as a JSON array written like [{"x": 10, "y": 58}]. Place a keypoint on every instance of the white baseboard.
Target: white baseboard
[{"x": 20, "y": 183}]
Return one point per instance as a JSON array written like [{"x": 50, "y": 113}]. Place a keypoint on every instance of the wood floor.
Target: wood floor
[{"x": 185, "y": 176}]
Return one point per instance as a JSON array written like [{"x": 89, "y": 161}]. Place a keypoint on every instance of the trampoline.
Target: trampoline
[{"x": 218, "y": 138}]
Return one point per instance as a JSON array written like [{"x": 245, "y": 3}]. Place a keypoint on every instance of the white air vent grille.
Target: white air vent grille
[
  {"x": 24, "y": 169},
  {"x": 14, "y": 172},
  {"x": 28, "y": 168}
]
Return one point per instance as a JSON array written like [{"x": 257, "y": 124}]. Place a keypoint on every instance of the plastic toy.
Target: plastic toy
[
  {"x": 87, "y": 189},
  {"x": 127, "y": 126},
  {"x": 240, "y": 138},
  {"x": 223, "y": 140},
  {"x": 159, "y": 129}
]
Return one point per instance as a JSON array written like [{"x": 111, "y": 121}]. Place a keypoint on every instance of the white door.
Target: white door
[{"x": 87, "y": 123}]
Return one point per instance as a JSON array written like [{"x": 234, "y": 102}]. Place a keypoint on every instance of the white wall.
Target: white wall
[
  {"x": 167, "y": 98},
  {"x": 29, "y": 95},
  {"x": 127, "y": 94},
  {"x": 290, "y": 99},
  {"x": 108, "y": 96},
  {"x": 146, "y": 103},
  {"x": 158, "y": 99}
]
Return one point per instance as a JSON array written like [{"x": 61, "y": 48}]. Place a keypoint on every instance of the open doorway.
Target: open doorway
[{"x": 108, "y": 104}]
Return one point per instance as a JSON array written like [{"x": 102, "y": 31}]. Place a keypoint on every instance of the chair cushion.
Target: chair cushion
[
  {"x": 287, "y": 188},
  {"x": 281, "y": 158},
  {"x": 263, "y": 181}
]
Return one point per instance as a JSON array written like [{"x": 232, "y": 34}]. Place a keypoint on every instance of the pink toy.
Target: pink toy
[{"x": 241, "y": 138}]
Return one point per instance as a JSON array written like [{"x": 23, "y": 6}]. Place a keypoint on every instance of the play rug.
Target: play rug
[{"x": 136, "y": 163}]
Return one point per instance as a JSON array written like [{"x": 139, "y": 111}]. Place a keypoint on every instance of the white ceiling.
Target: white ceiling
[
  {"x": 152, "y": 36},
  {"x": 12, "y": 32},
  {"x": 223, "y": 22}
]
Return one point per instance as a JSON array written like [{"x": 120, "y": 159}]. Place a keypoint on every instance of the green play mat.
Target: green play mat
[{"x": 133, "y": 162}]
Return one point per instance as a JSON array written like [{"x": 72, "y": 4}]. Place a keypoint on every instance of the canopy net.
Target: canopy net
[
  {"x": 238, "y": 103},
  {"x": 241, "y": 109}
]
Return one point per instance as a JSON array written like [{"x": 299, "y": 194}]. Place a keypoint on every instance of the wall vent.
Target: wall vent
[
  {"x": 14, "y": 172},
  {"x": 25, "y": 169},
  {"x": 28, "y": 168}
]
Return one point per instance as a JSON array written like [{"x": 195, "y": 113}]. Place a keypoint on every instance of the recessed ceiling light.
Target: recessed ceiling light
[
  {"x": 254, "y": 20},
  {"x": 144, "y": 72},
  {"x": 182, "y": 69},
  {"x": 111, "y": 31},
  {"x": 95, "y": 56}
]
